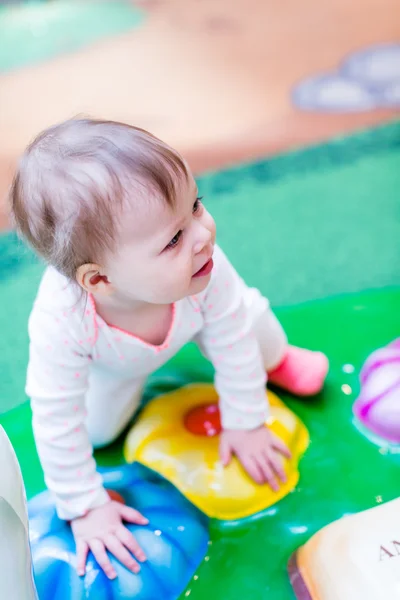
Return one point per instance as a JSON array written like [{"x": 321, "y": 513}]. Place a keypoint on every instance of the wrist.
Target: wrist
[{"x": 69, "y": 509}]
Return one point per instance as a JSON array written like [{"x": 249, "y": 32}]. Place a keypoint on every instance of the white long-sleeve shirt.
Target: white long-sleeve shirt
[{"x": 68, "y": 339}]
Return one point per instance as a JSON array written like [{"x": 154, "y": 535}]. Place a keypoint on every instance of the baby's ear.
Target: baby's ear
[{"x": 91, "y": 279}]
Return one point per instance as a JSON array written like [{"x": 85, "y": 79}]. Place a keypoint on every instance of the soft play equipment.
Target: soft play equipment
[
  {"x": 378, "y": 406},
  {"x": 177, "y": 435},
  {"x": 175, "y": 542},
  {"x": 355, "y": 558},
  {"x": 16, "y": 582}
]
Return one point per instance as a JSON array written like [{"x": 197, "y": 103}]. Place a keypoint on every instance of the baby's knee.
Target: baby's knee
[
  {"x": 101, "y": 438},
  {"x": 271, "y": 338},
  {"x": 104, "y": 423}
]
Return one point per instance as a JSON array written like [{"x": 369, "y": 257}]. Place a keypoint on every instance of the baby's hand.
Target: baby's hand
[
  {"x": 259, "y": 451},
  {"x": 102, "y": 529}
]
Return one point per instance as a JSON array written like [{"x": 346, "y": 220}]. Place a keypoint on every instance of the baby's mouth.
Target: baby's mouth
[{"x": 205, "y": 269}]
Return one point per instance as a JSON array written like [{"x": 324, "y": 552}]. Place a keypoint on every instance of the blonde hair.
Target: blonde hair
[{"x": 72, "y": 181}]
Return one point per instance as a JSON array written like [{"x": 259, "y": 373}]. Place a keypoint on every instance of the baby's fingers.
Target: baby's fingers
[
  {"x": 252, "y": 467},
  {"x": 100, "y": 554},
  {"x": 125, "y": 536},
  {"x": 281, "y": 447},
  {"x": 275, "y": 462},
  {"x": 267, "y": 471},
  {"x": 82, "y": 550},
  {"x": 115, "y": 546},
  {"x": 131, "y": 515}
]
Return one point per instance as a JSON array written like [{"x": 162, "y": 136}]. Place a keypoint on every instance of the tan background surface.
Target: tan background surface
[{"x": 212, "y": 79}]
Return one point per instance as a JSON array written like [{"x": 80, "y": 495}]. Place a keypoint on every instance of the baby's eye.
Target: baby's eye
[
  {"x": 175, "y": 240},
  {"x": 197, "y": 204}
]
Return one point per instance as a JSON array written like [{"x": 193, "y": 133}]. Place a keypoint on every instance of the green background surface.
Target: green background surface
[
  {"x": 306, "y": 225},
  {"x": 32, "y": 32},
  {"x": 301, "y": 227}
]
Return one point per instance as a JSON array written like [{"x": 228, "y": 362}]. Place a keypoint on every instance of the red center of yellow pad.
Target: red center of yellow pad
[{"x": 204, "y": 420}]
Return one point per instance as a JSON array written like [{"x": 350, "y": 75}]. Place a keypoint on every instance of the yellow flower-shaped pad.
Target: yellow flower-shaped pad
[{"x": 177, "y": 436}]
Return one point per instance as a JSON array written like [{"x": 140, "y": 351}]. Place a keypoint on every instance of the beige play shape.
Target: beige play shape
[{"x": 355, "y": 558}]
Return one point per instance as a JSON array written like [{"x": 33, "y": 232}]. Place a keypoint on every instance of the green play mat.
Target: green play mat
[
  {"x": 302, "y": 227},
  {"x": 341, "y": 472}
]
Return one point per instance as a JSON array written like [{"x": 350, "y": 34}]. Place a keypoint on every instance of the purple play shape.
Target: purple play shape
[{"x": 378, "y": 405}]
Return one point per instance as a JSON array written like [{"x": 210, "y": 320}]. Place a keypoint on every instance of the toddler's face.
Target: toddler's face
[{"x": 161, "y": 250}]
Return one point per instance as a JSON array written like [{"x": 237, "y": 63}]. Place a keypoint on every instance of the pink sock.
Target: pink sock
[{"x": 302, "y": 372}]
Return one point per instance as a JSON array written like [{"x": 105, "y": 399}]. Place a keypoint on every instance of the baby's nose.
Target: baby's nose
[{"x": 203, "y": 242}]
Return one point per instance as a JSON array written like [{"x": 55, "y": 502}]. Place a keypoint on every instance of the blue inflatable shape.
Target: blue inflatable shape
[
  {"x": 366, "y": 80},
  {"x": 175, "y": 543}
]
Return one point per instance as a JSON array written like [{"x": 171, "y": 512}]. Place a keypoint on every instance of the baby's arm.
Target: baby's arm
[
  {"x": 229, "y": 341},
  {"x": 57, "y": 383}
]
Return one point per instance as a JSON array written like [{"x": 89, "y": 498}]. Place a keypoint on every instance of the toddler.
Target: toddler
[{"x": 134, "y": 274}]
